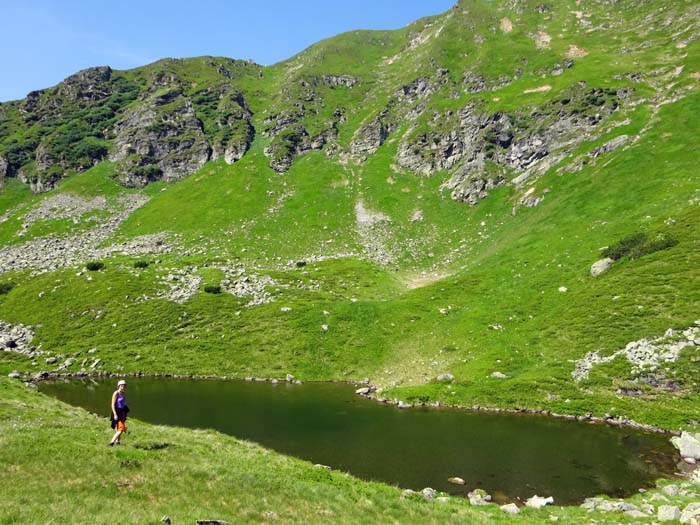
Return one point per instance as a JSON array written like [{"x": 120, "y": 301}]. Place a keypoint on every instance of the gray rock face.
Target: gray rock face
[
  {"x": 465, "y": 140},
  {"x": 334, "y": 81},
  {"x": 601, "y": 266},
  {"x": 162, "y": 138},
  {"x": 609, "y": 146},
  {"x": 688, "y": 444},
  {"x": 88, "y": 85},
  {"x": 370, "y": 137}
]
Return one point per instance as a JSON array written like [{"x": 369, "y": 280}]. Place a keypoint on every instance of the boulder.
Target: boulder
[
  {"x": 688, "y": 444},
  {"x": 668, "y": 513},
  {"x": 600, "y": 266},
  {"x": 456, "y": 481},
  {"x": 691, "y": 514},
  {"x": 363, "y": 391},
  {"x": 499, "y": 375},
  {"x": 511, "y": 508},
  {"x": 537, "y": 502}
]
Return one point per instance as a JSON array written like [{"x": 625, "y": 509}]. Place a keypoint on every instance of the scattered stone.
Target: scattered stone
[
  {"x": 563, "y": 289},
  {"x": 165, "y": 519},
  {"x": 363, "y": 391},
  {"x": 499, "y": 375},
  {"x": 479, "y": 497},
  {"x": 635, "y": 514},
  {"x": 14, "y": 375},
  {"x": 324, "y": 327},
  {"x": 668, "y": 513},
  {"x": 456, "y": 481},
  {"x": 289, "y": 378},
  {"x": 601, "y": 266},
  {"x": 511, "y": 508},
  {"x": 445, "y": 377},
  {"x": 50, "y": 360},
  {"x": 537, "y": 502},
  {"x": 443, "y": 499},
  {"x": 212, "y": 522},
  {"x": 326, "y": 467}
]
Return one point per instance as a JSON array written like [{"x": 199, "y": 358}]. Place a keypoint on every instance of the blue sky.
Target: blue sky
[{"x": 42, "y": 41}]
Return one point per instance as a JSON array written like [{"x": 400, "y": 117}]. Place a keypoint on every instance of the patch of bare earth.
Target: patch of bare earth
[
  {"x": 539, "y": 89},
  {"x": 506, "y": 25},
  {"x": 542, "y": 40},
  {"x": 575, "y": 52},
  {"x": 419, "y": 281}
]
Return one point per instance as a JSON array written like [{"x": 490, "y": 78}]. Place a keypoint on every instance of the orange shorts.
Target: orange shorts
[{"x": 121, "y": 427}]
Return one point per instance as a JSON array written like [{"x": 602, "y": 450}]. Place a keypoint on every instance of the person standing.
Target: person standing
[{"x": 118, "y": 413}]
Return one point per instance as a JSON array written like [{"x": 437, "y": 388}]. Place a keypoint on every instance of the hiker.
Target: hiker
[{"x": 118, "y": 413}]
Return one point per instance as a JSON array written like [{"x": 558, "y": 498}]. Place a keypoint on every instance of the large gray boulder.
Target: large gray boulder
[
  {"x": 600, "y": 266},
  {"x": 688, "y": 444}
]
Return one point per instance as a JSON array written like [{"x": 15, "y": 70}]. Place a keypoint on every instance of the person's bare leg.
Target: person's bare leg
[{"x": 115, "y": 439}]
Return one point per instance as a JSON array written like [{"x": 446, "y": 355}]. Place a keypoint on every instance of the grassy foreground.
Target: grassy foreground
[{"x": 68, "y": 475}]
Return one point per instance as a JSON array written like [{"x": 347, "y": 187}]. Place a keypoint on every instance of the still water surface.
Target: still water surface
[{"x": 510, "y": 456}]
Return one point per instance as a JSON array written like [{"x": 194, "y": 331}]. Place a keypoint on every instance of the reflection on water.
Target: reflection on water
[{"x": 511, "y": 456}]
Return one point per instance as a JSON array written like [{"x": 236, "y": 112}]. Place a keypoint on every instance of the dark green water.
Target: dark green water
[{"x": 510, "y": 456}]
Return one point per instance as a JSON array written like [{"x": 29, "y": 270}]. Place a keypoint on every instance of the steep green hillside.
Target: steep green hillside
[{"x": 393, "y": 205}]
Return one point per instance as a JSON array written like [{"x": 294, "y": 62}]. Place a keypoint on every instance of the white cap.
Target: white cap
[{"x": 121, "y": 382}]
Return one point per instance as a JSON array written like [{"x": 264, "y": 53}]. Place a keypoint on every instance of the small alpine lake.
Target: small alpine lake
[{"x": 511, "y": 456}]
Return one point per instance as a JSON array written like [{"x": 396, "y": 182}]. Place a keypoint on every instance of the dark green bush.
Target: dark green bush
[
  {"x": 6, "y": 287},
  {"x": 141, "y": 264},
  {"x": 637, "y": 245},
  {"x": 212, "y": 288},
  {"x": 94, "y": 266}
]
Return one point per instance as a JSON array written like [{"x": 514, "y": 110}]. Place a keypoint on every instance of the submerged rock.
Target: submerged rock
[{"x": 456, "y": 481}]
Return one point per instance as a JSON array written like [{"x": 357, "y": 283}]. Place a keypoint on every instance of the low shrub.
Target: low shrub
[
  {"x": 141, "y": 264},
  {"x": 212, "y": 288},
  {"x": 94, "y": 266},
  {"x": 6, "y": 287},
  {"x": 637, "y": 245}
]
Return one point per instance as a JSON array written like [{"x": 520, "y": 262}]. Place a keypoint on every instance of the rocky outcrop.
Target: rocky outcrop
[
  {"x": 368, "y": 138},
  {"x": 469, "y": 140},
  {"x": 334, "y": 81},
  {"x": 88, "y": 85},
  {"x": 159, "y": 139}
]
